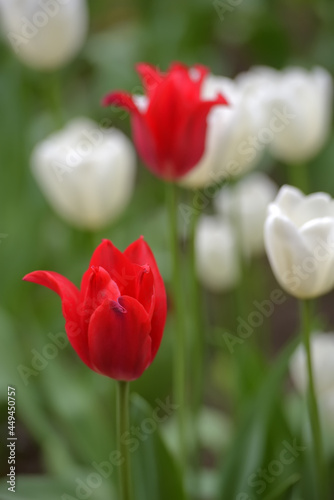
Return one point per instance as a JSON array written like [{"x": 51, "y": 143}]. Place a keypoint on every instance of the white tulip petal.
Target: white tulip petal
[
  {"x": 287, "y": 254},
  {"x": 287, "y": 200}
]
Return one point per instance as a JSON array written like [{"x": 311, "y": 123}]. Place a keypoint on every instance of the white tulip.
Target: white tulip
[
  {"x": 299, "y": 240},
  {"x": 303, "y": 101},
  {"x": 229, "y": 151},
  {"x": 322, "y": 353},
  {"x": 86, "y": 172},
  {"x": 246, "y": 204},
  {"x": 216, "y": 257},
  {"x": 45, "y": 34}
]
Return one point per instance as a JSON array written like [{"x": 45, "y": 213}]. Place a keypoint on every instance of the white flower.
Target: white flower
[
  {"x": 86, "y": 172},
  {"x": 45, "y": 34},
  {"x": 322, "y": 353},
  {"x": 228, "y": 152},
  {"x": 216, "y": 257},
  {"x": 298, "y": 104},
  {"x": 299, "y": 240},
  {"x": 246, "y": 204}
]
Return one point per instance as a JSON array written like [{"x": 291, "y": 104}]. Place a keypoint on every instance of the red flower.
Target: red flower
[
  {"x": 169, "y": 124},
  {"x": 116, "y": 320}
]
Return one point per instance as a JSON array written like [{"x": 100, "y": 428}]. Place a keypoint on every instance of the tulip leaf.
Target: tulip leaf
[
  {"x": 155, "y": 474},
  {"x": 46, "y": 487}
]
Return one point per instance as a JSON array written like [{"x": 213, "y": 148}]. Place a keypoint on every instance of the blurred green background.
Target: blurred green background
[{"x": 65, "y": 413}]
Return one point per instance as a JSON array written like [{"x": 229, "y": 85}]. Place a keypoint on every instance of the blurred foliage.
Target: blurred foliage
[{"x": 65, "y": 411}]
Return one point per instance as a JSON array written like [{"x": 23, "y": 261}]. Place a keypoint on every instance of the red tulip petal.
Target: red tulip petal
[
  {"x": 100, "y": 287},
  {"x": 150, "y": 76},
  {"x": 120, "y": 99},
  {"x": 70, "y": 297},
  {"x": 194, "y": 128},
  {"x": 140, "y": 253},
  {"x": 120, "y": 268},
  {"x": 119, "y": 340},
  {"x": 144, "y": 140}
]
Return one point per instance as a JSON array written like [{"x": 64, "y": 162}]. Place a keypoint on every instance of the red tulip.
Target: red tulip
[
  {"x": 116, "y": 320},
  {"x": 169, "y": 124}
]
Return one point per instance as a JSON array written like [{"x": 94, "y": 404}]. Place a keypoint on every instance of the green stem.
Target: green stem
[
  {"x": 298, "y": 177},
  {"x": 180, "y": 338},
  {"x": 54, "y": 97},
  {"x": 197, "y": 343},
  {"x": 123, "y": 427},
  {"x": 197, "y": 317},
  {"x": 312, "y": 403}
]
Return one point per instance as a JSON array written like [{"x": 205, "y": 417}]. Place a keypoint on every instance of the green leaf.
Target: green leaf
[{"x": 46, "y": 487}]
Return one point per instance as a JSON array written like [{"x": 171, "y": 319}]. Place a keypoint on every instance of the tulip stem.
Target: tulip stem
[
  {"x": 198, "y": 351},
  {"x": 312, "y": 403},
  {"x": 55, "y": 98},
  {"x": 179, "y": 341},
  {"x": 122, "y": 428},
  {"x": 298, "y": 177}
]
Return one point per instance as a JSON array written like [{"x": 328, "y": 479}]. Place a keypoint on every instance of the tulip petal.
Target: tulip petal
[
  {"x": 121, "y": 270},
  {"x": 119, "y": 340},
  {"x": 287, "y": 200},
  {"x": 286, "y": 251},
  {"x": 318, "y": 236},
  {"x": 144, "y": 141},
  {"x": 314, "y": 206},
  {"x": 195, "y": 127},
  {"x": 121, "y": 99},
  {"x": 99, "y": 287},
  {"x": 70, "y": 297},
  {"x": 150, "y": 76},
  {"x": 140, "y": 253}
]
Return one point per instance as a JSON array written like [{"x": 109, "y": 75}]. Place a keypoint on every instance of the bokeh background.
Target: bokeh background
[{"x": 65, "y": 412}]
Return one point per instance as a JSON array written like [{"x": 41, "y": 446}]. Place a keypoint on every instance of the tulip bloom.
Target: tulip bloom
[
  {"x": 45, "y": 35},
  {"x": 299, "y": 240},
  {"x": 217, "y": 263},
  {"x": 86, "y": 172},
  {"x": 246, "y": 204},
  {"x": 296, "y": 107},
  {"x": 116, "y": 320},
  {"x": 169, "y": 124}
]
